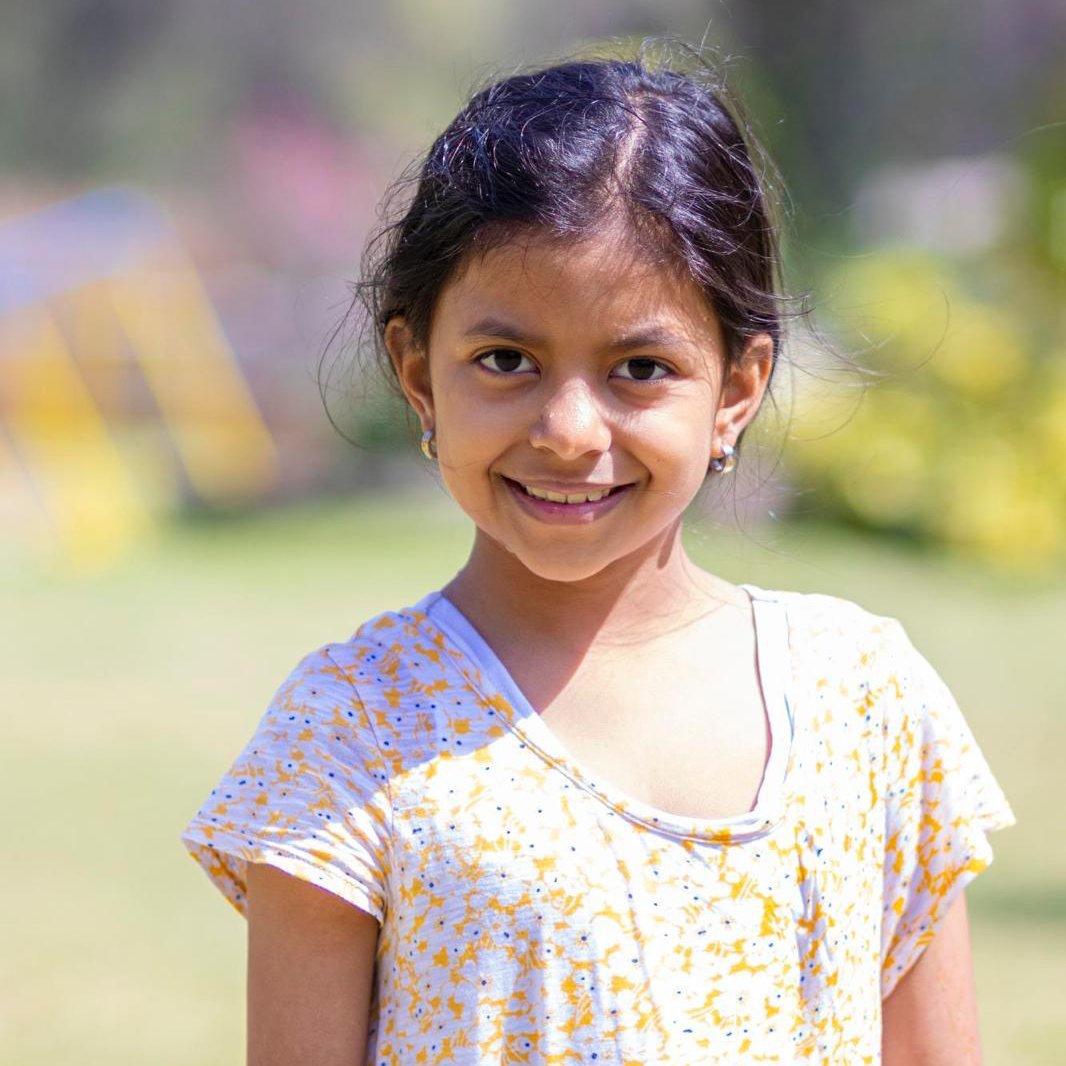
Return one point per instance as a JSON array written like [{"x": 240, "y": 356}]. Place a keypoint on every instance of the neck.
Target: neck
[{"x": 640, "y": 598}]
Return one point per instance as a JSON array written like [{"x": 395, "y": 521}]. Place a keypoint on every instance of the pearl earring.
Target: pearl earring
[
  {"x": 429, "y": 447},
  {"x": 722, "y": 464}
]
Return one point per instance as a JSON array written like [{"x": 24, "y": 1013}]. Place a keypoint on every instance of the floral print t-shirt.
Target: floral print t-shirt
[{"x": 532, "y": 913}]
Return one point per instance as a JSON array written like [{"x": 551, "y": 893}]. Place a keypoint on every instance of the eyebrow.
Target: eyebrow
[
  {"x": 643, "y": 337},
  {"x": 499, "y": 327}
]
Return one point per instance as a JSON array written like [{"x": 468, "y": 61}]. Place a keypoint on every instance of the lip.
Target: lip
[
  {"x": 565, "y": 513},
  {"x": 571, "y": 487}
]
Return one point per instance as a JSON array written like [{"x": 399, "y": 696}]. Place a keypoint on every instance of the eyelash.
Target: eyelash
[{"x": 635, "y": 358}]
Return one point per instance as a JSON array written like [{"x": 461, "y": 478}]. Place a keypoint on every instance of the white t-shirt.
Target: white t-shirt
[{"x": 533, "y": 913}]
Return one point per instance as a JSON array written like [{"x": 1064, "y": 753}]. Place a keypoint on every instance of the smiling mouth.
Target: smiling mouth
[{"x": 551, "y": 496}]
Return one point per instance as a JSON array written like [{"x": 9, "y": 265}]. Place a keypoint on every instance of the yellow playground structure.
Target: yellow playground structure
[{"x": 119, "y": 393}]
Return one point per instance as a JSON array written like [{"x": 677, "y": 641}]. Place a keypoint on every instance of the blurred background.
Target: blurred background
[{"x": 184, "y": 192}]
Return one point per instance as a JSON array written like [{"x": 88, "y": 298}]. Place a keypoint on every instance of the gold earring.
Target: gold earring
[
  {"x": 429, "y": 447},
  {"x": 722, "y": 464}
]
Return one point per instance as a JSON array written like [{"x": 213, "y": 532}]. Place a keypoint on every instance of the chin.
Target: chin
[{"x": 559, "y": 567}]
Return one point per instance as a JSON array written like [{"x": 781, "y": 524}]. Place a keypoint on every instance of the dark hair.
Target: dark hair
[{"x": 565, "y": 150}]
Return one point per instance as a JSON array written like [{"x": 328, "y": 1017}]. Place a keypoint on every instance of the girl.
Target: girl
[{"x": 589, "y": 803}]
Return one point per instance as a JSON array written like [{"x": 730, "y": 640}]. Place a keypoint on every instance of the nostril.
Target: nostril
[{"x": 571, "y": 426}]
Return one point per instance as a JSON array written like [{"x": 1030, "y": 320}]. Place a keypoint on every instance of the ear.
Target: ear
[
  {"x": 743, "y": 388},
  {"x": 411, "y": 364}
]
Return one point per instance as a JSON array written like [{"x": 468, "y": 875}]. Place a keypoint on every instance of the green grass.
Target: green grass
[{"x": 126, "y": 694}]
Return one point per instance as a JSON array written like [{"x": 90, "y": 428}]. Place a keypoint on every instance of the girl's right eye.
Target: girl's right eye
[{"x": 508, "y": 361}]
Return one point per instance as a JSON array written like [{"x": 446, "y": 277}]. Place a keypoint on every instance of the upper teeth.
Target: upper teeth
[{"x": 562, "y": 497}]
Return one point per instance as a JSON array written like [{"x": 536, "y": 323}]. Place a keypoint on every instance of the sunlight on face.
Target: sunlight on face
[{"x": 573, "y": 368}]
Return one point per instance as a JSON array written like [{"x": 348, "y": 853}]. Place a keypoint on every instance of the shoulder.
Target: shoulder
[
  {"x": 846, "y": 652},
  {"x": 391, "y": 648},
  {"x": 835, "y": 620},
  {"x": 336, "y": 705},
  {"x": 386, "y": 682},
  {"x": 371, "y": 655},
  {"x": 344, "y": 679},
  {"x": 868, "y": 656}
]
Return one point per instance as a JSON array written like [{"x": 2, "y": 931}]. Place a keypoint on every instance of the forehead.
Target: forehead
[{"x": 603, "y": 282}]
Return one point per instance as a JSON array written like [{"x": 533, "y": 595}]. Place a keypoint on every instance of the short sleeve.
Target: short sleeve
[
  {"x": 941, "y": 800},
  {"x": 308, "y": 795}
]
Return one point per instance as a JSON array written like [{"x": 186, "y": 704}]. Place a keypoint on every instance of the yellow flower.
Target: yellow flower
[
  {"x": 895, "y": 304},
  {"x": 995, "y": 506},
  {"x": 981, "y": 353},
  {"x": 891, "y": 443}
]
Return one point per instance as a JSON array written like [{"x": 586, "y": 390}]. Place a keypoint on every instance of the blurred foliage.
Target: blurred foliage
[{"x": 960, "y": 435}]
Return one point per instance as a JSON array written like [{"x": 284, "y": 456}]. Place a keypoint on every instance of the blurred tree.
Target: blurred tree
[{"x": 867, "y": 85}]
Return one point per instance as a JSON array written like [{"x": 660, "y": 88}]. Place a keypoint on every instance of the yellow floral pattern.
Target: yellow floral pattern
[{"x": 531, "y": 914}]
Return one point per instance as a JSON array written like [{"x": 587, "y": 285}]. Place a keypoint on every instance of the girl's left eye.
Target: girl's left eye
[{"x": 642, "y": 369}]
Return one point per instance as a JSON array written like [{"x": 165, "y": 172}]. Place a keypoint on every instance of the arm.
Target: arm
[
  {"x": 310, "y": 973},
  {"x": 930, "y": 1018}
]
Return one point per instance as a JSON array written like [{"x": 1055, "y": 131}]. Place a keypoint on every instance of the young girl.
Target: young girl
[{"x": 589, "y": 803}]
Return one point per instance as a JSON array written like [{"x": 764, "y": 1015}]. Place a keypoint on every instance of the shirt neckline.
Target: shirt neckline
[{"x": 774, "y": 671}]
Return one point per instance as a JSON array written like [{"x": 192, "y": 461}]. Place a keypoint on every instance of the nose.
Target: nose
[{"x": 571, "y": 422}]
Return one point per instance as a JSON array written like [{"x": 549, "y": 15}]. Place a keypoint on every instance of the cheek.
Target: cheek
[
  {"x": 463, "y": 422},
  {"x": 677, "y": 444},
  {"x": 472, "y": 436}
]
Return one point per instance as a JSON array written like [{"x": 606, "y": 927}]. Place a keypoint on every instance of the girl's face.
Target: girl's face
[{"x": 576, "y": 369}]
